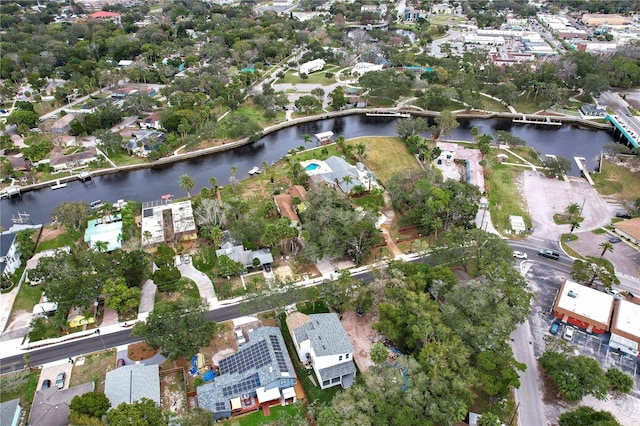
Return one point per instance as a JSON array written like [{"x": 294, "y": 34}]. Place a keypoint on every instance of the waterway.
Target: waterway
[{"x": 150, "y": 184}]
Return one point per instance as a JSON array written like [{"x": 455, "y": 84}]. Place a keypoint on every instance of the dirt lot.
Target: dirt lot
[
  {"x": 173, "y": 392},
  {"x": 361, "y": 336}
]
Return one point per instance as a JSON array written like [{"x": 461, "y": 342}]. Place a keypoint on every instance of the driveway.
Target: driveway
[
  {"x": 546, "y": 197},
  {"x": 624, "y": 257},
  {"x": 50, "y": 371},
  {"x": 205, "y": 287}
]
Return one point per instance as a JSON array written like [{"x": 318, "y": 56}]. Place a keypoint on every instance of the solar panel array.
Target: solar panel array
[
  {"x": 221, "y": 406},
  {"x": 282, "y": 364},
  {"x": 253, "y": 357},
  {"x": 244, "y": 386}
]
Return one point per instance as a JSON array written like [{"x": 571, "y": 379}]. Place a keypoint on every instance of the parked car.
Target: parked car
[
  {"x": 623, "y": 215},
  {"x": 549, "y": 254},
  {"x": 555, "y": 327},
  {"x": 186, "y": 258},
  {"x": 360, "y": 311},
  {"x": 121, "y": 362},
  {"x": 267, "y": 267},
  {"x": 615, "y": 293},
  {"x": 568, "y": 333},
  {"x": 614, "y": 240},
  {"x": 240, "y": 338},
  {"x": 60, "y": 380},
  {"x": 46, "y": 384},
  {"x": 519, "y": 254}
]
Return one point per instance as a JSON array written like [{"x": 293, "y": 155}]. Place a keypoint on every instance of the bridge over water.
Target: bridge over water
[{"x": 628, "y": 126}]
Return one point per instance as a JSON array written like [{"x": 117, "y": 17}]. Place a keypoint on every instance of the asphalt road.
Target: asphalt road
[{"x": 527, "y": 395}]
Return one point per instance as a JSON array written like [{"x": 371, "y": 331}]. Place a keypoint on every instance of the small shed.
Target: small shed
[{"x": 517, "y": 224}]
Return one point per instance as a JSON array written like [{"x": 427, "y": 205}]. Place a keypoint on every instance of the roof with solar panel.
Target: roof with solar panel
[{"x": 259, "y": 362}]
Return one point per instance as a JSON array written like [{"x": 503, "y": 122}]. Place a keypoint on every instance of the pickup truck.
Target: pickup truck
[{"x": 549, "y": 254}]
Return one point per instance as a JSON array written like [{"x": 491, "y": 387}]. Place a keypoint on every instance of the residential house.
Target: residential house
[
  {"x": 152, "y": 121},
  {"x": 19, "y": 163},
  {"x": 9, "y": 253},
  {"x": 106, "y": 16},
  {"x": 583, "y": 307},
  {"x": 337, "y": 173},
  {"x": 63, "y": 124},
  {"x": 183, "y": 225},
  {"x": 259, "y": 375},
  {"x": 131, "y": 383},
  {"x": 239, "y": 254},
  {"x": 59, "y": 161},
  {"x": 144, "y": 141},
  {"x": 51, "y": 406},
  {"x": 10, "y": 412},
  {"x": 286, "y": 206},
  {"x": 629, "y": 229},
  {"x": 321, "y": 341},
  {"x": 105, "y": 230},
  {"x": 123, "y": 92},
  {"x": 411, "y": 14}
]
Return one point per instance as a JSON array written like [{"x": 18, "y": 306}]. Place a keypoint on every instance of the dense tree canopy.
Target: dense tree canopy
[{"x": 177, "y": 328}]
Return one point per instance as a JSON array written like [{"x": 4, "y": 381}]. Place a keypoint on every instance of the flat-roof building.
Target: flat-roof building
[
  {"x": 625, "y": 327},
  {"x": 584, "y": 307}
]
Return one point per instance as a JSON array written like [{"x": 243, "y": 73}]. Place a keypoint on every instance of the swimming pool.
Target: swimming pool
[{"x": 312, "y": 166}]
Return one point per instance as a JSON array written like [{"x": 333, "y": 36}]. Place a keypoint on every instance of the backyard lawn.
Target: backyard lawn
[
  {"x": 386, "y": 155},
  {"x": 279, "y": 414},
  {"x": 618, "y": 181},
  {"x": 503, "y": 194}
]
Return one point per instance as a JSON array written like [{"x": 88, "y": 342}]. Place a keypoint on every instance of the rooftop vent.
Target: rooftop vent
[{"x": 572, "y": 294}]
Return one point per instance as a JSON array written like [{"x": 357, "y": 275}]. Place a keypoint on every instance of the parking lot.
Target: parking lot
[
  {"x": 51, "y": 371},
  {"x": 546, "y": 283}
]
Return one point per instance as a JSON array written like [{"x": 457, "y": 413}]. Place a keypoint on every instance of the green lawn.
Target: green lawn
[
  {"x": 280, "y": 414},
  {"x": 386, "y": 155},
  {"x": 317, "y": 77},
  {"x": 184, "y": 286},
  {"x": 21, "y": 384},
  {"x": 504, "y": 197},
  {"x": 491, "y": 105},
  {"x": 617, "y": 181},
  {"x": 528, "y": 154},
  {"x": 57, "y": 242},
  {"x": 527, "y": 106}
]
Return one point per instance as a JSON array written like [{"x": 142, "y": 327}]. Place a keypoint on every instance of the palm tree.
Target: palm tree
[
  {"x": 232, "y": 178},
  {"x": 606, "y": 246},
  {"x": 101, "y": 246},
  {"x": 572, "y": 209},
  {"x": 264, "y": 166},
  {"x": 340, "y": 142},
  {"x": 214, "y": 183},
  {"x": 146, "y": 236},
  {"x": 361, "y": 150},
  {"x": 307, "y": 138},
  {"x": 475, "y": 132},
  {"x": 348, "y": 180},
  {"x": 186, "y": 183},
  {"x": 574, "y": 225}
]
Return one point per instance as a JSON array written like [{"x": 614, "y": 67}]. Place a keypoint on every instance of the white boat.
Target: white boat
[
  {"x": 255, "y": 171},
  {"x": 58, "y": 185}
]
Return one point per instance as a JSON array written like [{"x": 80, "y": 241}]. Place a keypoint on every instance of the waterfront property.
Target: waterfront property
[
  {"x": 290, "y": 202},
  {"x": 321, "y": 342},
  {"x": 104, "y": 233},
  {"x": 9, "y": 253},
  {"x": 259, "y": 375},
  {"x": 61, "y": 161},
  {"x": 155, "y": 230},
  {"x": 337, "y": 173}
]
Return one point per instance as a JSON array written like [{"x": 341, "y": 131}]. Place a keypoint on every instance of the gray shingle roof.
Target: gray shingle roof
[
  {"x": 259, "y": 362},
  {"x": 338, "y": 370},
  {"x": 326, "y": 335},
  {"x": 8, "y": 411},
  {"x": 131, "y": 383},
  {"x": 51, "y": 406}
]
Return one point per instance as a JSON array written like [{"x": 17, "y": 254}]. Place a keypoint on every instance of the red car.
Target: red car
[{"x": 121, "y": 362}]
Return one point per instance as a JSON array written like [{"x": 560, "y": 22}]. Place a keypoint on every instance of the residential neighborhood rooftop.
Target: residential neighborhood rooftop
[
  {"x": 131, "y": 383},
  {"x": 326, "y": 335},
  {"x": 51, "y": 406}
]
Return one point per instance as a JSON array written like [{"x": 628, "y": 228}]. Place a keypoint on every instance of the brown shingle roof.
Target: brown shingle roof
[{"x": 630, "y": 226}]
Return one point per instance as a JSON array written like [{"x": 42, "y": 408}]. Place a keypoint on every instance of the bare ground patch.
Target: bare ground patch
[
  {"x": 173, "y": 391},
  {"x": 361, "y": 336}
]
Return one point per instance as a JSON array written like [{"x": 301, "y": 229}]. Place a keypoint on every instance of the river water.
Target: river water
[{"x": 150, "y": 184}]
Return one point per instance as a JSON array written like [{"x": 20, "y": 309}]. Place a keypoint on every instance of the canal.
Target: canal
[{"x": 149, "y": 184}]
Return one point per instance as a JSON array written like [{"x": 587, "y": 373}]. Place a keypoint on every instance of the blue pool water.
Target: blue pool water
[{"x": 312, "y": 166}]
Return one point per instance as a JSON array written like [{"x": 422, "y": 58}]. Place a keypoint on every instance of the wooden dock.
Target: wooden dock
[{"x": 537, "y": 119}]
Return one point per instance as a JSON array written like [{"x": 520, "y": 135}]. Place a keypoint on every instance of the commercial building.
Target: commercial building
[
  {"x": 584, "y": 307},
  {"x": 629, "y": 229},
  {"x": 597, "y": 19},
  {"x": 625, "y": 328}
]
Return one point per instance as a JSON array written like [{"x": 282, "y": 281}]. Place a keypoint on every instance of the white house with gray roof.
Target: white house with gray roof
[
  {"x": 321, "y": 341},
  {"x": 260, "y": 374},
  {"x": 131, "y": 383}
]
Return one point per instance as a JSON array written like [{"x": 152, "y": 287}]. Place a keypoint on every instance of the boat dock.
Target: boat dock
[
  {"x": 255, "y": 171},
  {"x": 84, "y": 176},
  {"x": 538, "y": 119},
  {"x": 583, "y": 170},
  {"x": 11, "y": 192},
  {"x": 59, "y": 185},
  {"x": 383, "y": 113}
]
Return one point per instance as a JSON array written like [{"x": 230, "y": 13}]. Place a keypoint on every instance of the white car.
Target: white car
[
  {"x": 568, "y": 333},
  {"x": 519, "y": 254},
  {"x": 615, "y": 293},
  {"x": 240, "y": 338}
]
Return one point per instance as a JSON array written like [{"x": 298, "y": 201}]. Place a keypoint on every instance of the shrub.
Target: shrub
[{"x": 618, "y": 381}]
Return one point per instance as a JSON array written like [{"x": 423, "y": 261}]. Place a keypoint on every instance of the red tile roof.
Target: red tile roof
[{"x": 103, "y": 14}]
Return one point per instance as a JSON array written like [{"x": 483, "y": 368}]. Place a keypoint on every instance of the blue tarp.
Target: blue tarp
[{"x": 209, "y": 375}]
